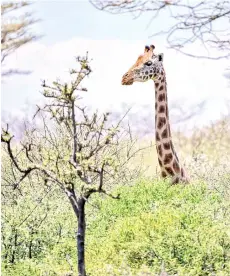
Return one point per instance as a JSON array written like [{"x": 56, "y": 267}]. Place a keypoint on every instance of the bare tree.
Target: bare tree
[
  {"x": 15, "y": 32},
  {"x": 80, "y": 152},
  {"x": 206, "y": 22}
]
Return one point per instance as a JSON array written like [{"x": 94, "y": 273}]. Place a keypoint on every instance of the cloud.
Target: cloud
[{"x": 189, "y": 80}]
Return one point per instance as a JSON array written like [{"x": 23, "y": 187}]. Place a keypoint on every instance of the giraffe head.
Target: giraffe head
[{"x": 148, "y": 66}]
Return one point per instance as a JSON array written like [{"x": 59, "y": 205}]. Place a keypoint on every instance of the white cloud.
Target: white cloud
[{"x": 189, "y": 80}]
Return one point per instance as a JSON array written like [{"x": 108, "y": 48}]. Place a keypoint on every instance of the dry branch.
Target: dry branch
[{"x": 206, "y": 22}]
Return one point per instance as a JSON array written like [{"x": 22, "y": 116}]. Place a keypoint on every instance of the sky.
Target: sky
[{"x": 70, "y": 28}]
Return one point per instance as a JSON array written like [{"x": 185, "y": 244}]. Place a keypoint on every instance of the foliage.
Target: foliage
[
  {"x": 153, "y": 227},
  {"x": 149, "y": 218},
  {"x": 27, "y": 213},
  {"x": 186, "y": 229}
]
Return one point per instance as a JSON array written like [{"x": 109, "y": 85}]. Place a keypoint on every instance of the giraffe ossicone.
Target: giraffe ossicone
[{"x": 149, "y": 66}]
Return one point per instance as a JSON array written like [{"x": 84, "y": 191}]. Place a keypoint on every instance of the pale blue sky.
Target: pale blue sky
[
  {"x": 63, "y": 20},
  {"x": 114, "y": 42}
]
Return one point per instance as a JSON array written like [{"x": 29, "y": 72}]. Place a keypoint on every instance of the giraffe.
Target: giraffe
[{"x": 150, "y": 66}]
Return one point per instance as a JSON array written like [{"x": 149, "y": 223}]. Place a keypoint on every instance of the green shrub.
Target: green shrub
[
  {"x": 153, "y": 227},
  {"x": 184, "y": 228}
]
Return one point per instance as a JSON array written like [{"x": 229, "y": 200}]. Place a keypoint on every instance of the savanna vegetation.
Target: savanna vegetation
[
  {"x": 131, "y": 222},
  {"x": 152, "y": 228},
  {"x": 81, "y": 195}
]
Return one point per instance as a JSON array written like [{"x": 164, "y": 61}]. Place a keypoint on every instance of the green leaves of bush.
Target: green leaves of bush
[{"x": 154, "y": 224}]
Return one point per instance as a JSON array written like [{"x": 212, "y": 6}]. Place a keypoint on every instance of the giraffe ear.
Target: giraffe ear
[{"x": 161, "y": 57}]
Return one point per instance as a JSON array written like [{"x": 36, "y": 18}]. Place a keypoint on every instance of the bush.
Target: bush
[
  {"x": 184, "y": 229},
  {"x": 153, "y": 227}
]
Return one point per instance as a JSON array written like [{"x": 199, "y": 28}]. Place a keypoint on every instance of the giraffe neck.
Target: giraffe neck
[{"x": 167, "y": 157}]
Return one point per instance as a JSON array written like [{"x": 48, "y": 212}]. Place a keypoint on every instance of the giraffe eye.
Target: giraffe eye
[{"x": 148, "y": 63}]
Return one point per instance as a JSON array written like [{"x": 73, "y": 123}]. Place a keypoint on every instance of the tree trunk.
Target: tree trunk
[
  {"x": 80, "y": 236},
  {"x": 79, "y": 210}
]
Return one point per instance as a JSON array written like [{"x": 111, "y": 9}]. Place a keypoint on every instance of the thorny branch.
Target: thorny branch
[{"x": 77, "y": 151}]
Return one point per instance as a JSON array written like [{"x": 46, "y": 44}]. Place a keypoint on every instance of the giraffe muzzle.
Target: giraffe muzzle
[{"x": 127, "y": 79}]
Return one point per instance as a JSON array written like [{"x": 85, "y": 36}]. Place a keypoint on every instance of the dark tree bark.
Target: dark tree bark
[
  {"x": 80, "y": 236},
  {"x": 78, "y": 206}
]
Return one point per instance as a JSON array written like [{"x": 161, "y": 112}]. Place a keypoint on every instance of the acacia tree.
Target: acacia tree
[
  {"x": 15, "y": 32},
  {"x": 82, "y": 153},
  {"x": 203, "y": 21}
]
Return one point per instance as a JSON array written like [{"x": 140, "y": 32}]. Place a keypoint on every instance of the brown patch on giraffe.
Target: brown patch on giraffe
[
  {"x": 162, "y": 109},
  {"x": 162, "y": 73},
  {"x": 160, "y": 163},
  {"x": 168, "y": 158},
  {"x": 157, "y": 136},
  {"x": 161, "y": 122},
  {"x": 157, "y": 84},
  {"x": 176, "y": 166},
  {"x": 166, "y": 146},
  {"x": 164, "y": 134},
  {"x": 159, "y": 149},
  {"x": 156, "y": 105},
  {"x": 163, "y": 174},
  {"x": 169, "y": 170},
  {"x": 161, "y": 87},
  {"x": 161, "y": 98},
  {"x": 167, "y": 112}
]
